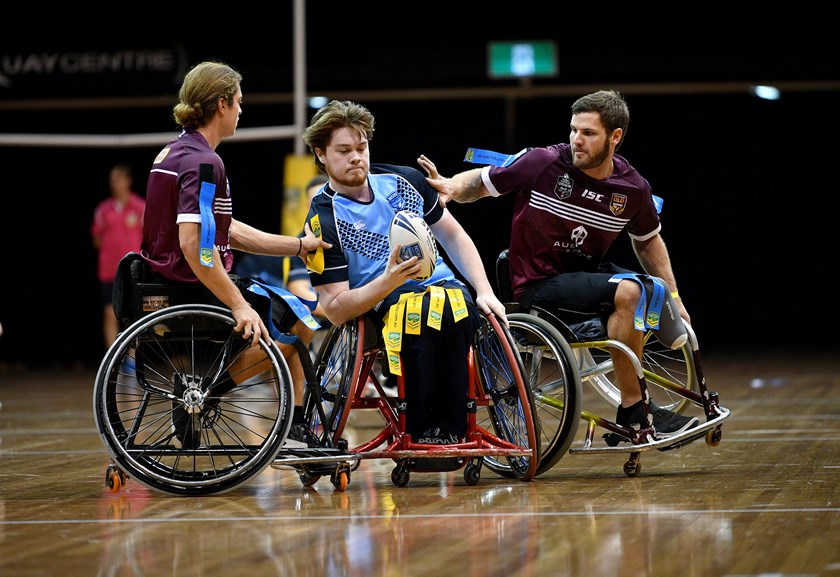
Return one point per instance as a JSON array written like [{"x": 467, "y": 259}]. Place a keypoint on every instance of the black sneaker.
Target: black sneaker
[
  {"x": 668, "y": 424},
  {"x": 300, "y": 437},
  {"x": 437, "y": 436},
  {"x": 665, "y": 423}
]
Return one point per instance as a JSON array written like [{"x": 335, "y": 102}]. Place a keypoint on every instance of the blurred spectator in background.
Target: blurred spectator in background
[{"x": 117, "y": 229}]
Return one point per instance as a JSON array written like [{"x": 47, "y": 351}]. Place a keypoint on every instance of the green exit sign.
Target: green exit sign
[{"x": 523, "y": 59}]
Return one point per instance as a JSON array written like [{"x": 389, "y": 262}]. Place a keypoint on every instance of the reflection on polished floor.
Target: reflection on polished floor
[{"x": 765, "y": 501}]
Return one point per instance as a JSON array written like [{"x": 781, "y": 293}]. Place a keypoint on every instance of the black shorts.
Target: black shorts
[{"x": 576, "y": 296}]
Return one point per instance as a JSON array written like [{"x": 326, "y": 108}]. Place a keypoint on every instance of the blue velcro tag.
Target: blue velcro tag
[
  {"x": 208, "y": 223},
  {"x": 479, "y": 156},
  {"x": 657, "y": 202},
  {"x": 301, "y": 310},
  {"x": 646, "y": 320}
]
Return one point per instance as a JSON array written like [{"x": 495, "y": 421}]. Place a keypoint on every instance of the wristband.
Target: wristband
[
  {"x": 675, "y": 294},
  {"x": 300, "y": 246}
]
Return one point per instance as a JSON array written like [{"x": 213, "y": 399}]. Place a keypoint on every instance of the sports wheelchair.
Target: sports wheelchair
[
  {"x": 559, "y": 358},
  {"x": 501, "y": 421},
  {"x": 184, "y": 404}
]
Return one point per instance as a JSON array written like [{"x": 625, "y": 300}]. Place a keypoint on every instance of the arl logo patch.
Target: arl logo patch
[
  {"x": 563, "y": 188},
  {"x": 618, "y": 203}
]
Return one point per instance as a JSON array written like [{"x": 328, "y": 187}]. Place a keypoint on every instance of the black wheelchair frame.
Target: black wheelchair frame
[{"x": 185, "y": 405}]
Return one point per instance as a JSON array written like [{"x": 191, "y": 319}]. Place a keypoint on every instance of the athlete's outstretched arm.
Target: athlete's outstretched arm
[{"x": 463, "y": 187}]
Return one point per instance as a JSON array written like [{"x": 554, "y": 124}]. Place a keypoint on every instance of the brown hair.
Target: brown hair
[
  {"x": 198, "y": 98},
  {"x": 610, "y": 106},
  {"x": 337, "y": 114}
]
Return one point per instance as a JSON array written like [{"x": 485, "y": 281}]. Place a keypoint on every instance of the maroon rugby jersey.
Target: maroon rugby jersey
[
  {"x": 172, "y": 197},
  {"x": 564, "y": 220}
]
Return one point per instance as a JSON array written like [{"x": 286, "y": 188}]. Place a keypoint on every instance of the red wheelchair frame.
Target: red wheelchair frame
[{"x": 349, "y": 367}]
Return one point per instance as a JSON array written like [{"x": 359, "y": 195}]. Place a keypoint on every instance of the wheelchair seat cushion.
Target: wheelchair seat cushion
[{"x": 589, "y": 330}]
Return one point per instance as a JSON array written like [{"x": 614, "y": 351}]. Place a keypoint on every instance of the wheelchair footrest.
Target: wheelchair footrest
[
  {"x": 682, "y": 442},
  {"x": 292, "y": 457},
  {"x": 437, "y": 451},
  {"x": 619, "y": 444}
]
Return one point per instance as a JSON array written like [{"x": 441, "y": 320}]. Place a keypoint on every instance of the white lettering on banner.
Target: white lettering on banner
[{"x": 12, "y": 65}]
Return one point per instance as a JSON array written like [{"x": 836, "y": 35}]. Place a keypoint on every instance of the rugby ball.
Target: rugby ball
[{"x": 415, "y": 238}]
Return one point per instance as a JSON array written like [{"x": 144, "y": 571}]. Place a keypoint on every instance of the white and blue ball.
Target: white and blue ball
[{"x": 415, "y": 238}]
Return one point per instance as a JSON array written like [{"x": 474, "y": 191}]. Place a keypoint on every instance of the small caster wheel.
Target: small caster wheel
[
  {"x": 713, "y": 437},
  {"x": 400, "y": 476},
  {"x": 114, "y": 478},
  {"x": 632, "y": 468},
  {"x": 341, "y": 479},
  {"x": 472, "y": 473},
  {"x": 307, "y": 477}
]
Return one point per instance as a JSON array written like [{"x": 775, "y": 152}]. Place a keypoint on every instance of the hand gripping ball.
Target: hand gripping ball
[{"x": 415, "y": 238}]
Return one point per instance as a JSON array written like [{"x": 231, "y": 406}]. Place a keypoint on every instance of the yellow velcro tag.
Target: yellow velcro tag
[
  {"x": 315, "y": 262},
  {"x": 436, "y": 302},
  {"x": 392, "y": 331},
  {"x": 413, "y": 314},
  {"x": 457, "y": 302},
  {"x": 394, "y": 362}
]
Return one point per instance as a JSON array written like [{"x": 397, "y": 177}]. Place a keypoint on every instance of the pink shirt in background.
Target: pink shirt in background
[{"x": 119, "y": 226}]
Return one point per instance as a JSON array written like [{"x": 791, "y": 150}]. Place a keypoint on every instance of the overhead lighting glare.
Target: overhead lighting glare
[{"x": 766, "y": 92}]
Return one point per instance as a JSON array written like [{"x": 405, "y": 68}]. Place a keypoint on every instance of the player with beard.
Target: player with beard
[{"x": 572, "y": 202}]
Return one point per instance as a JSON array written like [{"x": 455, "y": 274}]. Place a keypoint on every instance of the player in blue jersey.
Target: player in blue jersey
[
  {"x": 360, "y": 275},
  {"x": 189, "y": 228},
  {"x": 572, "y": 202}
]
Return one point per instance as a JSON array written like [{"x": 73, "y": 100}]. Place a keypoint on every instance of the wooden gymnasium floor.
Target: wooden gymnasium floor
[{"x": 765, "y": 502}]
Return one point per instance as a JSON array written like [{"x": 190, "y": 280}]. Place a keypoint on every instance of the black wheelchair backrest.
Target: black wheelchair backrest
[
  {"x": 138, "y": 291},
  {"x": 590, "y": 329},
  {"x": 503, "y": 277}
]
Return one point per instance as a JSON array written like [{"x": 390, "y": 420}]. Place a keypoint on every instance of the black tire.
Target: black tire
[
  {"x": 554, "y": 381},
  {"x": 337, "y": 367},
  {"x": 511, "y": 412}
]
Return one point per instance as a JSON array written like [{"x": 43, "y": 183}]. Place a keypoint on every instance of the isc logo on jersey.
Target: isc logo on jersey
[{"x": 415, "y": 239}]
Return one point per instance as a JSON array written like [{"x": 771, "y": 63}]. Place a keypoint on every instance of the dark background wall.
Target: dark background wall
[{"x": 749, "y": 185}]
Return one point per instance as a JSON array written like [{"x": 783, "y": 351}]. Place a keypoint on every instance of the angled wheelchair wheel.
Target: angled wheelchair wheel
[
  {"x": 660, "y": 364},
  {"x": 554, "y": 381},
  {"x": 337, "y": 368},
  {"x": 510, "y": 413},
  {"x": 187, "y": 407}
]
